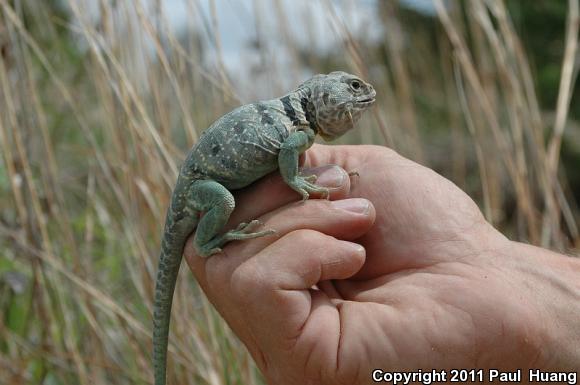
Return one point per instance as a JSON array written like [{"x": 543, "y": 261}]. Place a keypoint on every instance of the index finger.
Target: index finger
[{"x": 272, "y": 192}]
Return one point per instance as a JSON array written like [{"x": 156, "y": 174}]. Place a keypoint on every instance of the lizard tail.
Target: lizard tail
[{"x": 169, "y": 262}]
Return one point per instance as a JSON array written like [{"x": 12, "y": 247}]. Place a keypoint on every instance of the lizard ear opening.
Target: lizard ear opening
[{"x": 325, "y": 98}]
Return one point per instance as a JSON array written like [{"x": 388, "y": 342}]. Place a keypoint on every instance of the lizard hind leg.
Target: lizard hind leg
[{"x": 218, "y": 204}]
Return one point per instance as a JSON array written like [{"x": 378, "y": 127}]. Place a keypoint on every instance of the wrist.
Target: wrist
[{"x": 551, "y": 285}]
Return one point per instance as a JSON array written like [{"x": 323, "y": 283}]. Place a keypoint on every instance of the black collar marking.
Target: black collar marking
[
  {"x": 289, "y": 110},
  {"x": 305, "y": 104}
]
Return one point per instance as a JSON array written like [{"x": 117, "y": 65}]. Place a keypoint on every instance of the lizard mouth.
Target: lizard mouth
[{"x": 366, "y": 100}]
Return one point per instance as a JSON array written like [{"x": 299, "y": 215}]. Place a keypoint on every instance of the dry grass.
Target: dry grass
[{"x": 91, "y": 138}]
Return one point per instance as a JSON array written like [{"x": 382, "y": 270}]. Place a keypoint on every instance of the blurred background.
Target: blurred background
[{"x": 101, "y": 99}]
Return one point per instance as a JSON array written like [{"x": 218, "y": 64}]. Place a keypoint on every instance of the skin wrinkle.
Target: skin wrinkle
[
  {"x": 340, "y": 336},
  {"x": 337, "y": 262},
  {"x": 464, "y": 233},
  {"x": 356, "y": 372},
  {"x": 342, "y": 309},
  {"x": 340, "y": 343},
  {"x": 422, "y": 339},
  {"x": 432, "y": 343},
  {"x": 460, "y": 244},
  {"x": 389, "y": 356},
  {"x": 261, "y": 356},
  {"x": 249, "y": 335},
  {"x": 318, "y": 273},
  {"x": 313, "y": 348},
  {"x": 471, "y": 322},
  {"x": 398, "y": 323},
  {"x": 307, "y": 357},
  {"x": 246, "y": 279},
  {"x": 327, "y": 287},
  {"x": 324, "y": 368},
  {"x": 540, "y": 276},
  {"x": 552, "y": 279},
  {"x": 512, "y": 287}
]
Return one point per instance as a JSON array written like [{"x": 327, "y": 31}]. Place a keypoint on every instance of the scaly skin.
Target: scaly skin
[{"x": 239, "y": 148}]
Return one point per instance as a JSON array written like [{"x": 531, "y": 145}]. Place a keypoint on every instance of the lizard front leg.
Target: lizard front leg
[
  {"x": 218, "y": 203},
  {"x": 290, "y": 150}
]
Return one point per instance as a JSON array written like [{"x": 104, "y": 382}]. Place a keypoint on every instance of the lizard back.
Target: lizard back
[{"x": 241, "y": 146}]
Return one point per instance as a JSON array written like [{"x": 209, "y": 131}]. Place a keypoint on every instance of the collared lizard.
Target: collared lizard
[{"x": 239, "y": 148}]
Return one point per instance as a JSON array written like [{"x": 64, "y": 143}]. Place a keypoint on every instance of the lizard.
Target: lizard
[{"x": 239, "y": 148}]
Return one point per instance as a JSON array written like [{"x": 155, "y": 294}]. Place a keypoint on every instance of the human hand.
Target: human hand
[{"x": 435, "y": 286}]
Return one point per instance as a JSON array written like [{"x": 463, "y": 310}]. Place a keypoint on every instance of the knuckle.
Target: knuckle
[
  {"x": 307, "y": 242},
  {"x": 380, "y": 150},
  {"x": 245, "y": 281},
  {"x": 303, "y": 237}
]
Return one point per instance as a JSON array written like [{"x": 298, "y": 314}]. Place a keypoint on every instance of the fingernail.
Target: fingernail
[
  {"x": 354, "y": 205},
  {"x": 331, "y": 176}
]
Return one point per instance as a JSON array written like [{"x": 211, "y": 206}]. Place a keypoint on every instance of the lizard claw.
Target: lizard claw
[
  {"x": 241, "y": 226},
  {"x": 209, "y": 253},
  {"x": 310, "y": 178},
  {"x": 242, "y": 231},
  {"x": 247, "y": 231},
  {"x": 247, "y": 228},
  {"x": 305, "y": 186}
]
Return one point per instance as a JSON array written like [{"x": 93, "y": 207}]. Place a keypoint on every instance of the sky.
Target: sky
[
  {"x": 309, "y": 23},
  {"x": 237, "y": 25},
  {"x": 237, "y": 22}
]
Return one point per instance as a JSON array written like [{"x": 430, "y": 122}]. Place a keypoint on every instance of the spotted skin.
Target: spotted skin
[{"x": 239, "y": 148}]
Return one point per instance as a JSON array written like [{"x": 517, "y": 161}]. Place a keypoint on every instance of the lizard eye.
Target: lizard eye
[{"x": 355, "y": 85}]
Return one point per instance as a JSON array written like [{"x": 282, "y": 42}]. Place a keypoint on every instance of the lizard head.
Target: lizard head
[{"x": 338, "y": 100}]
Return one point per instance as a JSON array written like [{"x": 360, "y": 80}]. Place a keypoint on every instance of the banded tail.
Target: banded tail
[{"x": 174, "y": 237}]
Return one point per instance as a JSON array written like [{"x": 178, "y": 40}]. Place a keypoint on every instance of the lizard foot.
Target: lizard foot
[
  {"x": 242, "y": 232},
  {"x": 310, "y": 178},
  {"x": 247, "y": 231},
  {"x": 305, "y": 186}
]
